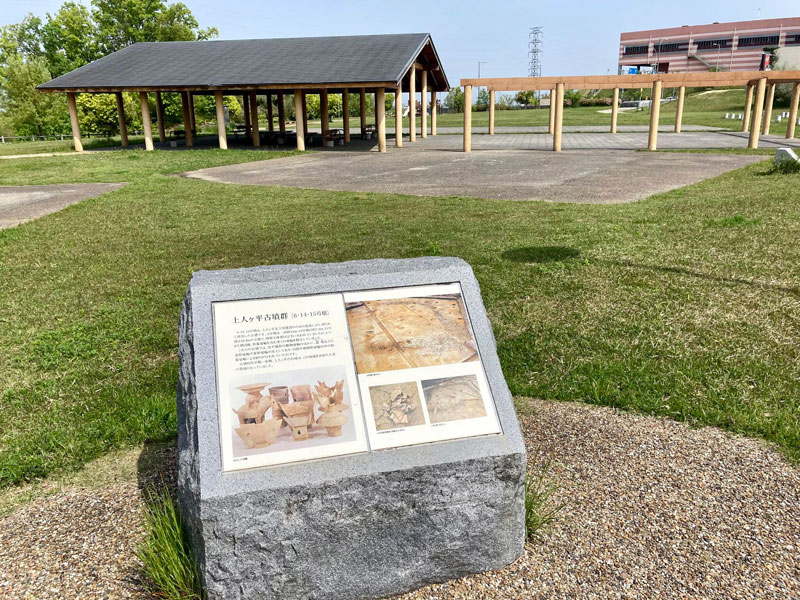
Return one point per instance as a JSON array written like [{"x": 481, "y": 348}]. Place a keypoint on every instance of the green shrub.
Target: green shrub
[{"x": 785, "y": 167}]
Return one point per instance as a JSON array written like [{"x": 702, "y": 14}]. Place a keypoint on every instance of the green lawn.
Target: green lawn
[{"x": 685, "y": 305}]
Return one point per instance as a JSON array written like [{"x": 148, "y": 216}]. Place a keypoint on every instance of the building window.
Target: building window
[
  {"x": 762, "y": 40},
  {"x": 792, "y": 39},
  {"x": 670, "y": 47},
  {"x": 635, "y": 50},
  {"x": 714, "y": 44}
]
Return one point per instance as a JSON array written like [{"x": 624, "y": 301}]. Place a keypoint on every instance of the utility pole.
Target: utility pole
[{"x": 535, "y": 54}]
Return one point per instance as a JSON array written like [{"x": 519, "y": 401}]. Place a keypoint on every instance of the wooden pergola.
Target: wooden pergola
[
  {"x": 368, "y": 64},
  {"x": 760, "y": 84}
]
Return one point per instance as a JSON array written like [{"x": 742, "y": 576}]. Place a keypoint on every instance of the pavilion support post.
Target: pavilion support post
[
  {"x": 467, "y": 118},
  {"x": 299, "y": 100},
  {"x": 362, "y": 112},
  {"x": 375, "y": 99},
  {"x": 551, "y": 129},
  {"x": 398, "y": 116},
  {"x": 305, "y": 113},
  {"x": 123, "y": 127},
  {"x": 346, "y": 114},
  {"x": 323, "y": 116},
  {"x": 281, "y": 114},
  {"x": 793, "y": 111},
  {"x": 679, "y": 111},
  {"x": 380, "y": 117},
  {"x": 748, "y": 104},
  {"x": 270, "y": 119},
  {"x": 768, "y": 108},
  {"x": 162, "y": 135},
  {"x": 614, "y": 110},
  {"x": 655, "y": 113},
  {"x": 73, "y": 120},
  {"x": 423, "y": 93},
  {"x": 755, "y": 128},
  {"x": 412, "y": 104},
  {"x": 433, "y": 112},
  {"x": 491, "y": 112},
  {"x": 187, "y": 119},
  {"x": 191, "y": 112},
  {"x": 222, "y": 133},
  {"x": 254, "y": 120},
  {"x": 146, "y": 124},
  {"x": 558, "y": 123},
  {"x": 246, "y": 110}
]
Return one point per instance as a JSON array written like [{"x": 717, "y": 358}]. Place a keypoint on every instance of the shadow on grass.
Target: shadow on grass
[{"x": 540, "y": 254}]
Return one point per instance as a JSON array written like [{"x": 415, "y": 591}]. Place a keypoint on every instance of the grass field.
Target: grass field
[{"x": 685, "y": 305}]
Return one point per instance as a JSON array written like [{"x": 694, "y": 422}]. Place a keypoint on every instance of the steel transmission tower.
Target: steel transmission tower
[{"x": 535, "y": 52}]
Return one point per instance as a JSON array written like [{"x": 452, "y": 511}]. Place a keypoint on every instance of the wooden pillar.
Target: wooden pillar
[
  {"x": 299, "y": 109},
  {"x": 551, "y": 129},
  {"x": 398, "y": 115},
  {"x": 162, "y": 136},
  {"x": 187, "y": 118},
  {"x": 281, "y": 114},
  {"x": 748, "y": 103},
  {"x": 423, "y": 93},
  {"x": 793, "y": 111},
  {"x": 270, "y": 118},
  {"x": 679, "y": 111},
  {"x": 363, "y": 113},
  {"x": 246, "y": 110},
  {"x": 346, "y": 114},
  {"x": 254, "y": 120},
  {"x": 467, "y": 118},
  {"x": 305, "y": 113},
  {"x": 655, "y": 113},
  {"x": 758, "y": 107},
  {"x": 222, "y": 133},
  {"x": 146, "y": 125},
  {"x": 380, "y": 118},
  {"x": 768, "y": 108},
  {"x": 123, "y": 127},
  {"x": 614, "y": 110},
  {"x": 558, "y": 123},
  {"x": 191, "y": 112},
  {"x": 73, "y": 120},
  {"x": 433, "y": 112},
  {"x": 491, "y": 112},
  {"x": 375, "y": 100},
  {"x": 412, "y": 104},
  {"x": 323, "y": 116}
]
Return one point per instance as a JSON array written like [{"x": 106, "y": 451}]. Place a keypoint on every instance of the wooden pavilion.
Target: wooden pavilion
[{"x": 367, "y": 64}]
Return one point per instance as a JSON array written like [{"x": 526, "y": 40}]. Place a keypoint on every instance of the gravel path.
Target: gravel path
[{"x": 656, "y": 509}]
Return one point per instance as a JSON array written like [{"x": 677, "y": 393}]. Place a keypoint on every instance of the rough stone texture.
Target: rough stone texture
[{"x": 358, "y": 526}]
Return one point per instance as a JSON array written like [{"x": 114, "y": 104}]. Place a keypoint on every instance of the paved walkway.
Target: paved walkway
[{"x": 23, "y": 203}]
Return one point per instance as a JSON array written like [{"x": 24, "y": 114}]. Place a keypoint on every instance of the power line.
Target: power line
[{"x": 535, "y": 52}]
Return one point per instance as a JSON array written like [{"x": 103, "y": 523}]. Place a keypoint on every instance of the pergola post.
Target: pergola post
[
  {"x": 363, "y": 113},
  {"x": 305, "y": 113},
  {"x": 380, "y": 118},
  {"x": 146, "y": 125},
  {"x": 246, "y": 109},
  {"x": 748, "y": 103},
  {"x": 162, "y": 136},
  {"x": 270, "y": 124},
  {"x": 299, "y": 101},
  {"x": 187, "y": 119},
  {"x": 768, "y": 108},
  {"x": 793, "y": 111},
  {"x": 73, "y": 120},
  {"x": 123, "y": 127},
  {"x": 433, "y": 112},
  {"x": 375, "y": 99},
  {"x": 614, "y": 110},
  {"x": 222, "y": 133},
  {"x": 281, "y": 114},
  {"x": 398, "y": 115},
  {"x": 755, "y": 129},
  {"x": 679, "y": 111},
  {"x": 558, "y": 123},
  {"x": 412, "y": 104},
  {"x": 655, "y": 113},
  {"x": 491, "y": 112},
  {"x": 254, "y": 120},
  {"x": 191, "y": 112},
  {"x": 346, "y": 115},
  {"x": 423, "y": 94},
  {"x": 323, "y": 116},
  {"x": 551, "y": 129},
  {"x": 467, "y": 118}
]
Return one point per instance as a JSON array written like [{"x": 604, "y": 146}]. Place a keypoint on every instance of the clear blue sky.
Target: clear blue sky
[{"x": 580, "y": 38}]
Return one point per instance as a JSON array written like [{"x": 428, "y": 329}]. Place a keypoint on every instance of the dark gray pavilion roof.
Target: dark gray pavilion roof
[{"x": 230, "y": 63}]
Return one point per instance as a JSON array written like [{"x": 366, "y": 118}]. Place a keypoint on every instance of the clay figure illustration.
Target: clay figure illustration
[
  {"x": 396, "y": 406},
  {"x": 331, "y": 402}
]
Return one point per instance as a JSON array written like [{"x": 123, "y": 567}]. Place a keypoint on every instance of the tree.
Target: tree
[
  {"x": 455, "y": 100},
  {"x": 483, "y": 98},
  {"x": 69, "y": 38},
  {"x": 526, "y": 98},
  {"x": 30, "y": 111}
]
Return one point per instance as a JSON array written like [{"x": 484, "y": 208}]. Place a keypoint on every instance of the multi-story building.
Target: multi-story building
[{"x": 737, "y": 46}]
